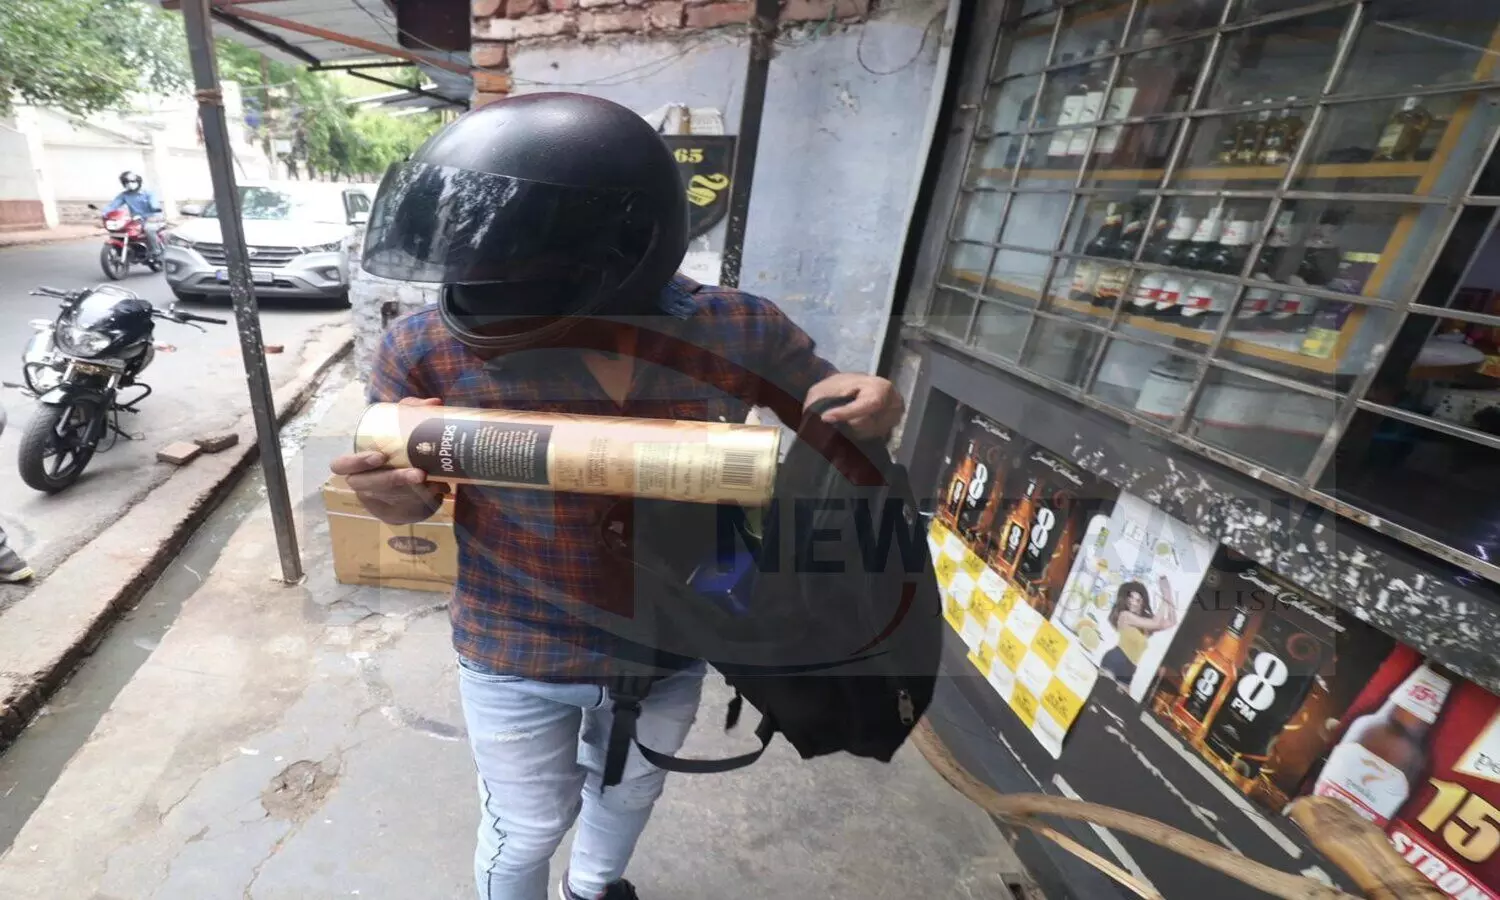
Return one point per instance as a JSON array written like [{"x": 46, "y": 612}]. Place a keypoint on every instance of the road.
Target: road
[{"x": 199, "y": 388}]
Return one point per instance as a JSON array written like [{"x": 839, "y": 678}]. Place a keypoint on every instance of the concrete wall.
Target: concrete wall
[
  {"x": 22, "y": 205},
  {"x": 840, "y": 151}
]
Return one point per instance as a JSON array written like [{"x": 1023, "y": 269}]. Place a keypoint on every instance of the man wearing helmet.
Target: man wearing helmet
[
  {"x": 555, "y": 224},
  {"x": 140, "y": 203}
]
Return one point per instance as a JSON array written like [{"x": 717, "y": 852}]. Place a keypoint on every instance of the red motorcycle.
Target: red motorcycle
[{"x": 125, "y": 244}]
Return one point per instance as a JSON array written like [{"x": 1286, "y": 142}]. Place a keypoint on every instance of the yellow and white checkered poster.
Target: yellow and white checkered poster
[{"x": 1036, "y": 667}]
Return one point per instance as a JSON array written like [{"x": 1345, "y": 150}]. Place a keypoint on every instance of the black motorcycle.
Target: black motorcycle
[{"x": 77, "y": 367}]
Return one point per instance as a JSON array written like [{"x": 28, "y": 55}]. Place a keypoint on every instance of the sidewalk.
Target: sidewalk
[
  {"x": 307, "y": 743},
  {"x": 48, "y": 235}
]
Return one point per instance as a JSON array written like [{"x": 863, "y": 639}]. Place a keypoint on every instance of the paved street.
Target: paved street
[{"x": 200, "y": 387}]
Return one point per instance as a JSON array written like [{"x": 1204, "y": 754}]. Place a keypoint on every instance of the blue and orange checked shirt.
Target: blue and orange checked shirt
[{"x": 531, "y": 566}]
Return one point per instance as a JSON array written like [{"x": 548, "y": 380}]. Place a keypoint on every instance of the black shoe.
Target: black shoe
[
  {"x": 619, "y": 890},
  {"x": 13, "y": 569}
]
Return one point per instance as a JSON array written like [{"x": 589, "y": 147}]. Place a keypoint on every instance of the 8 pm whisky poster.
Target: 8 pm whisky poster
[{"x": 1259, "y": 675}]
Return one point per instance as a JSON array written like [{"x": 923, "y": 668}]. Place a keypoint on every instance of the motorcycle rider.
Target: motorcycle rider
[
  {"x": 142, "y": 203},
  {"x": 13, "y": 569}
]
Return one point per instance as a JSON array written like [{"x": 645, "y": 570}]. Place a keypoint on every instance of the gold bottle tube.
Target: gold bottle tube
[{"x": 700, "y": 462}]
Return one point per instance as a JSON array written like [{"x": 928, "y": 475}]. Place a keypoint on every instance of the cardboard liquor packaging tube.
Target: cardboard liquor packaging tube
[{"x": 700, "y": 462}]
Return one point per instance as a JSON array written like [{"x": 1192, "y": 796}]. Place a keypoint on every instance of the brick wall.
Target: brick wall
[{"x": 499, "y": 24}]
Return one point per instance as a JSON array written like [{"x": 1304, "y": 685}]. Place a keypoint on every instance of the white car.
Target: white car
[{"x": 295, "y": 235}]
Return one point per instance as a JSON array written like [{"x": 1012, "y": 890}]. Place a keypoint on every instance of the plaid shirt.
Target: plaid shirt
[{"x": 530, "y": 561}]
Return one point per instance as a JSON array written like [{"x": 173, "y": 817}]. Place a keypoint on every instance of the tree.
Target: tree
[
  {"x": 332, "y": 135},
  {"x": 83, "y": 56}
]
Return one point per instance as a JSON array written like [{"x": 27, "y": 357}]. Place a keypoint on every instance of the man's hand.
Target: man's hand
[
  {"x": 874, "y": 410},
  {"x": 394, "y": 496}
]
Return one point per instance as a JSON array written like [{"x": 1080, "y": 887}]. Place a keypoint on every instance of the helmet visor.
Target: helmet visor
[{"x": 447, "y": 225}]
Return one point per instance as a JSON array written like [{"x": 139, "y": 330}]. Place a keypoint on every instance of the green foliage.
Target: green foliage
[
  {"x": 329, "y": 134},
  {"x": 86, "y": 55}
]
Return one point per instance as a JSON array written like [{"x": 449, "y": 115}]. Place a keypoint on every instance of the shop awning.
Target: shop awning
[{"x": 362, "y": 37}]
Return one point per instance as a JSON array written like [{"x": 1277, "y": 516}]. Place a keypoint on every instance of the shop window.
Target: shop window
[
  {"x": 950, "y": 313},
  {"x": 1245, "y": 214},
  {"x": 1271, "y": 423},
  {"x": 1025, "y": 53},
  {"x": 1061, "y": 351},
  {"x": 1000, "y": 328},
  {"x": 1150, "y": 382},
  {"x": 1405, "y": 43}
]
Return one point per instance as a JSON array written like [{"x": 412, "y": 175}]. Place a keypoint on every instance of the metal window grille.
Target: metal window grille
[{"x": 1212, "y": 353}]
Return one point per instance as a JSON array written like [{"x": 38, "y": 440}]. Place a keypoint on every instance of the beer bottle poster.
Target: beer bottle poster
[
  {"x": 1045, "y": 511},
  {"x": 1130, "y": 586},
  {"x": 1419, "y": 754},
  {"x": 1257, "y": 670}
]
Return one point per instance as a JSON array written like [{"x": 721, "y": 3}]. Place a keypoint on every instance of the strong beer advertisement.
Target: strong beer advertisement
[
  {"x": 1419, "y": 754},
  {"x": 1258, "y": 670},
  {"x": 1130, "y": 586}
]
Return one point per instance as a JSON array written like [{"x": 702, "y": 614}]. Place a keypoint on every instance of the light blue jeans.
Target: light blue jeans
[{"x": 539, "y": 748}]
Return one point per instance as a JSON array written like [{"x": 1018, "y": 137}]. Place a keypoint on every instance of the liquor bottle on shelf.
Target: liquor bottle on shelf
[
  {"x": 1294, "y": 311},
  {"x": 1075, "y": 89},
  {"x": 1093, "y": 101},
  {"x": 1252, "y": 137},
  {"x": 1233, "y": 135},
  {"x": 1086, "y": 271},
  {"x": 1023, "y": 116},
  {"x": 1148, "y": 289},
  {"x": 1208, "y": 679},
  {"x": 1403, "y": 134},
  {"x": 1141, "y": 81},
  {"x": 1114, "y": 278},
  {"x": 1260, "y": 300},
  {"x": 1282, "y": 137},
  {"x": 1207, "y": 298},
  {"x": 1179, "y": 242},
  {"x": 1204, "y": 240},
  {"x": 1382, "y": 757},
  {"x": 1262, "y": 704}
]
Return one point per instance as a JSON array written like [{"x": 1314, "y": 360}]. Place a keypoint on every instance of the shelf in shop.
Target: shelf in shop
[
  {"x": 1248, "y": 343},
  {"x": 1339, "y": 171}
]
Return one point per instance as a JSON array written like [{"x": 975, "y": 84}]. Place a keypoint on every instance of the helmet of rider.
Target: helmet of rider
[
  {"x": 533, "y": 213},
  {"x": 130, "y": 181}
]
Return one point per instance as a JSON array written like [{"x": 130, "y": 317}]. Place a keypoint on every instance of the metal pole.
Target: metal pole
[
  {"x": 246, "y": 313},
  {"x": 762, "y": 47}
]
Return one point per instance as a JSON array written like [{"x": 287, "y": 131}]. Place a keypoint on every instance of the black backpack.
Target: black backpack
[{"x": 835, "y": 634}]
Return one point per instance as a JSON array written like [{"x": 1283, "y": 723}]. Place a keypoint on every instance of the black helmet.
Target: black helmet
[
  {"x": 130, "y": 181},
  {"x": 532, "y": 212}
]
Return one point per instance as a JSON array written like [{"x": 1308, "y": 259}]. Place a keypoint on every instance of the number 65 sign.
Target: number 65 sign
[{"x": 706, "y": 163}]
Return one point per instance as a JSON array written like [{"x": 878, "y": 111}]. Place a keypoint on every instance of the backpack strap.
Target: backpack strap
[{"x": 763, "y": 732}]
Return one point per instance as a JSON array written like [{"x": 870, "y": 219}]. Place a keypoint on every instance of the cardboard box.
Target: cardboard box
[{"x": 420, "y": 557}]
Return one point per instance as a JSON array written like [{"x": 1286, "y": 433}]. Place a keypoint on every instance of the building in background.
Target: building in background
[{"x": 53, "y": 164}]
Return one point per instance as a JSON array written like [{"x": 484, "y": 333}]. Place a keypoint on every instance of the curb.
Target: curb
[
  {"x": 52, "y": 629},
  {"x": 35, "y": 240}
]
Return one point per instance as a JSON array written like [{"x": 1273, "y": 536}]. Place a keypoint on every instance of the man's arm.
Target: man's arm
[
  {"x": 790, "y": 362},
  {"x": 395, "y": 496},
  {"x": 116, "y": 203}
]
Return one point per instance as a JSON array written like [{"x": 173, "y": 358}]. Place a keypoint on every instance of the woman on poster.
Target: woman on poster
[{"x": 1135, "y": 620}]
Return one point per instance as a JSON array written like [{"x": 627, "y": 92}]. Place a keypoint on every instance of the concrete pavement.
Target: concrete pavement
[
  {"x": 305, "y": 742},
  {"x": 200, "y": 388},
  {"x": 49, "y": 235}
]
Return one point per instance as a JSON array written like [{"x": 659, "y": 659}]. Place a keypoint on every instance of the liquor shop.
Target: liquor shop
[{"x": 1201, "y": 334}]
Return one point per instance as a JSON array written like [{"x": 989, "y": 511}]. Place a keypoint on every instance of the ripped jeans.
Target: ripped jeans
[{"x": 539, "y": 748}]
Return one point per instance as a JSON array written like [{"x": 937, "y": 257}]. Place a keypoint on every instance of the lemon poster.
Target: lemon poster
[{"x": 1132, "y": 581}]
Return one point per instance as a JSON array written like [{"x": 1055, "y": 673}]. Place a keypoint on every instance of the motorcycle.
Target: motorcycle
[
  {"x": 76, "y": 367},
  {"x": 125, "y": 243}
]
